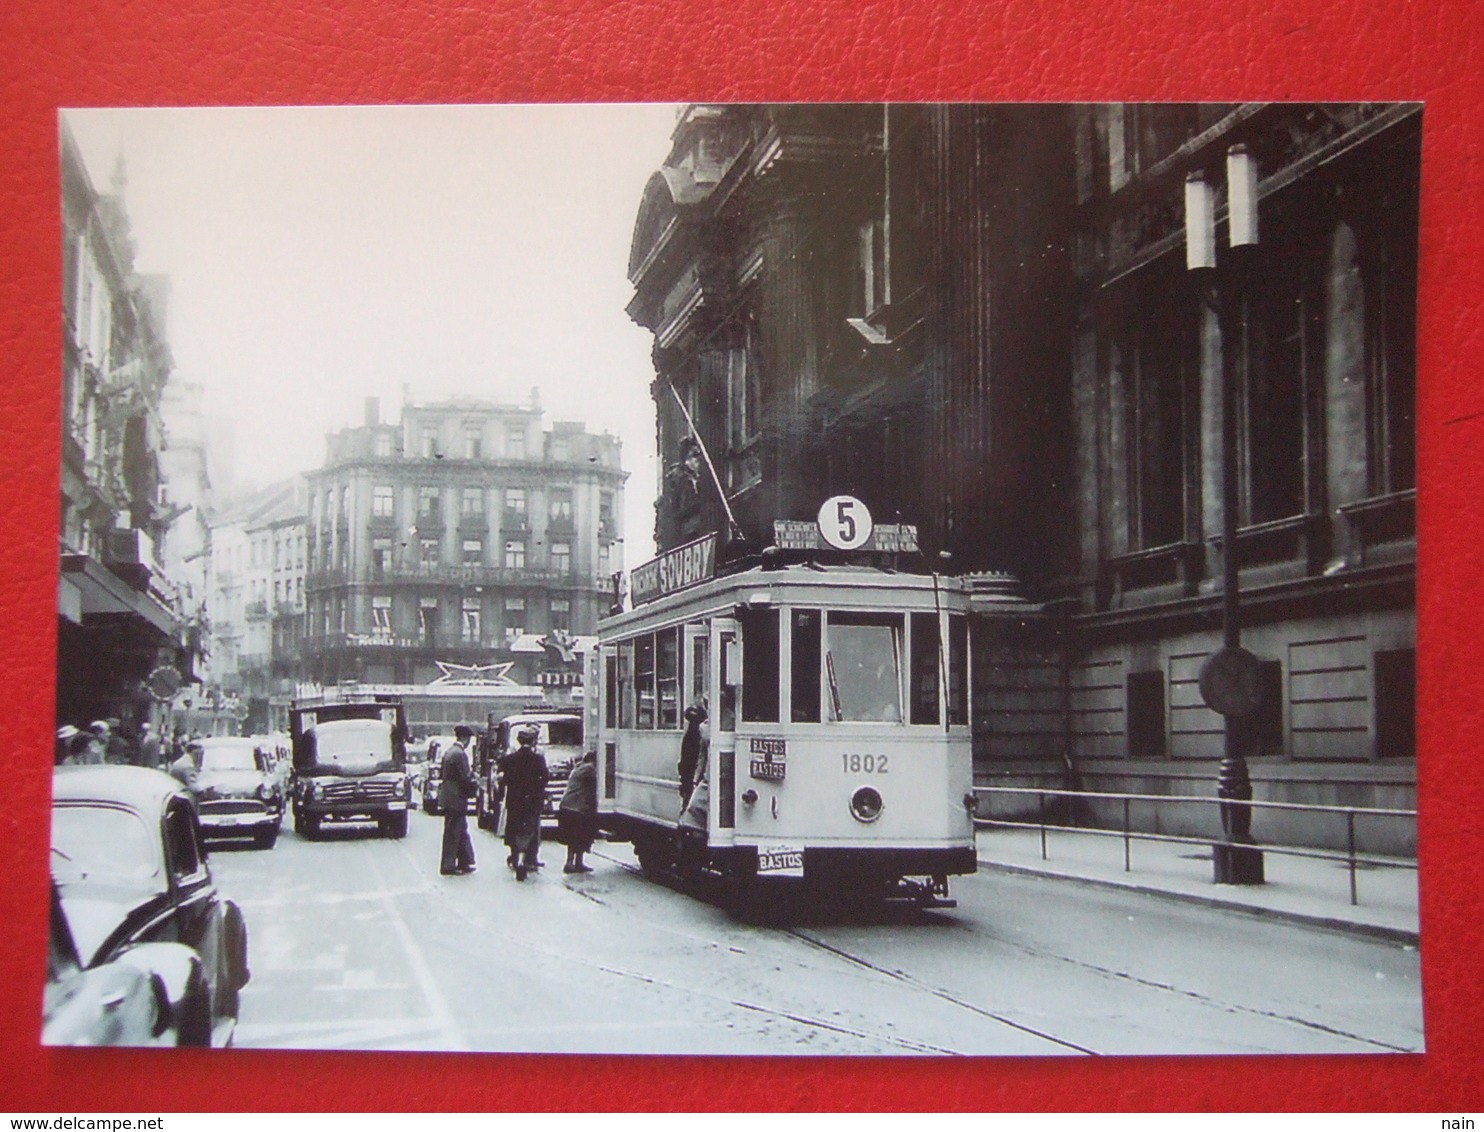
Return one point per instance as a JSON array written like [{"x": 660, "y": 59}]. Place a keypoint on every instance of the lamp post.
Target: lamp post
[{"x": 1230, "y": 679}]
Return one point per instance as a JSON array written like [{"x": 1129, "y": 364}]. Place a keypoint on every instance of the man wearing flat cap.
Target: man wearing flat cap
[{"x": 457, "y": 787}]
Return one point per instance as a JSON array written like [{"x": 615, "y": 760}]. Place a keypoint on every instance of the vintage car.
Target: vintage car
[
  {"x": 130, "y": 869},
  {"x": 237, "y": 792},
  {"x": 433, "y": 775},
  {"x": 143, "y": 996},
  {"x": 560, "y": 741}
]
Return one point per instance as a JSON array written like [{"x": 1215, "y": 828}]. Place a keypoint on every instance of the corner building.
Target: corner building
[
  {"x": 466, "y": 535},
  {"x": 978, "y": 319}
]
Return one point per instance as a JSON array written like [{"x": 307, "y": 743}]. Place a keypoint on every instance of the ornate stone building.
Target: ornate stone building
[
  {"x": 978, "y": 319},
  {"x": 466, "y": 535}
]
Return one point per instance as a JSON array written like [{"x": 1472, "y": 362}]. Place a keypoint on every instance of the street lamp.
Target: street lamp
[{"x": 1230, "y": 679}]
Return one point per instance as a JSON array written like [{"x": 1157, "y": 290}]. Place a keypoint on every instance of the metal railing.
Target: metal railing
[{"x": 1352, "y": 857}]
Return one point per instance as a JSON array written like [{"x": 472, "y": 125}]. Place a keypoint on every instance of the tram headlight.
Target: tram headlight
[{"x": 865, "y": 804}]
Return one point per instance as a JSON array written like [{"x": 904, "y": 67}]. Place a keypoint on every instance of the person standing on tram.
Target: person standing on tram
[{"x": 692, "y": 743}]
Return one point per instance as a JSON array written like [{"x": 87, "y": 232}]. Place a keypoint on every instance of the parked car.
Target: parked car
[
  {"x": 143, "y": 996},
  {"x": 560, "y": 741},
  {"x": 433, "y": 776},
  {"x": 130, "y": 869},
  {"x": 237, "y": 792}
]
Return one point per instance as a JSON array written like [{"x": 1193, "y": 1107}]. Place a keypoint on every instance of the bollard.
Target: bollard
[{"x": 1236, "y": 859}]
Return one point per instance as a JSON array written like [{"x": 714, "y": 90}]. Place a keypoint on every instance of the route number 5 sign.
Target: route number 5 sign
[{"x": 845, "y": 522}]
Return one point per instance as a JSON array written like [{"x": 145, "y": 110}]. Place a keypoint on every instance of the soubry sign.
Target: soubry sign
[{"x": 674, "y": 570}]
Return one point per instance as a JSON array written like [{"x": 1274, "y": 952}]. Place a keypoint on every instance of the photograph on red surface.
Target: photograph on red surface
[
  {"x": 1074, "y": 499},
  {"x": 814, "y": 517}
]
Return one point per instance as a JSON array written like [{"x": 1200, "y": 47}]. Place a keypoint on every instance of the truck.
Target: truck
[{"x": 350, "y": 763}]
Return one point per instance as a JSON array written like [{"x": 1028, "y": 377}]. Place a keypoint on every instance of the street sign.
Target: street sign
[{"x": 1231, "y": 682}]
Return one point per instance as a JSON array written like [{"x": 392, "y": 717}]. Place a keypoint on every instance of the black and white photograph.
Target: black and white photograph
[{"x": 836, "y": 579}]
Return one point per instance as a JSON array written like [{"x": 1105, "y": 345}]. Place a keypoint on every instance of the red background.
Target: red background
[{"x": 183, "y": 52}]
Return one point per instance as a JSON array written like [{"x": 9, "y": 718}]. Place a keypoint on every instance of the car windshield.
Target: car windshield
[
  {"x": 102, "y": 844},
  {"x": 354, "y": 746},
  {"x": 228, "y": 756},
  {"x": 551, "y": 732},
  {"x": 563, "y": 733}
]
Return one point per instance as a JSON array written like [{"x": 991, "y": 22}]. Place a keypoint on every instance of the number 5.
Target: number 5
[{"x": 846, "y": 520}]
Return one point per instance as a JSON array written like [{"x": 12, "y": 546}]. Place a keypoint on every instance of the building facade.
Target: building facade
[
  {"x": 256, "y": 578},
  {"x": 978, "y": 319},
  {"x": 465, "y": 537},
  {"x": 122, "y": 646}
]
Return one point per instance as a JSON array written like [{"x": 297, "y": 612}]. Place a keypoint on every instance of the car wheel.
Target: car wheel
[
  {"x": 266, "y": 838},
  {"x": 395, "y": 826},
  {"x": 193, "y": 1020},
  {"x": 307, "y": 826}
]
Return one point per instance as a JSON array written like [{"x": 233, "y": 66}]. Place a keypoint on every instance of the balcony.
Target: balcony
[
  {"x": 478, "y": 575},
  {"x": 255, "y": 611}
]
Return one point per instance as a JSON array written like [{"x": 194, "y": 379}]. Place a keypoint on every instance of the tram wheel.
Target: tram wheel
[{"x": 656, "y": 854}]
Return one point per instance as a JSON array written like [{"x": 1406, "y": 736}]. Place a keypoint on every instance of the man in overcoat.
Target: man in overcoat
[
  {"x": 525, "y": 775},
  {"x": 454, "y": 792}
]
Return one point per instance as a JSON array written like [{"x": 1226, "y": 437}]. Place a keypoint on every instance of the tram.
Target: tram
[{"x": 839, "y": 743}]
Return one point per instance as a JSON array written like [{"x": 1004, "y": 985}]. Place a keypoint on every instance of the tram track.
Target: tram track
[
  {"x": 1099, "y": 970},
  {"x": 900, "y": 978},
  {"x": 753, "y": 986},
  {"x": 873, "y": 1037}
]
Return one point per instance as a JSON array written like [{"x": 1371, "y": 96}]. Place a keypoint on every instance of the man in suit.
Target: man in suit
[{"x": 454, "y": 792}]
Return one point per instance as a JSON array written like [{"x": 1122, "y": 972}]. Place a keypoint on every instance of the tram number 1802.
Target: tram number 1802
[{"x": 867, "y": 764}]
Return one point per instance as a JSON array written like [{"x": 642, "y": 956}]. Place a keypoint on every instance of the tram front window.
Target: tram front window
[{"x": 863, "y": 667}]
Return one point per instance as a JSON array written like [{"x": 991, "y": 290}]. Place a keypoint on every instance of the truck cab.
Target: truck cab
[{"x": 350, "y": 759}]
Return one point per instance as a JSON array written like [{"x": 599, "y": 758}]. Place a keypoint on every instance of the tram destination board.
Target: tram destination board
[{"x": 885, "y": 538}]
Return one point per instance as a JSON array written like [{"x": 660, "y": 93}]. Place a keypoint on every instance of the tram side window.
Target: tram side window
[
  {"x": 760, "y": 668},
  {"x": 699, "y": 669},
  {"x": 726, "y": 711},
  {"x": 610, "y": 690},
  {"x": 667, "y": 661},
  {"x": 958, "y": 669},
  {"x": 644, "y": 681},
  {"x": 804, "y": 640},
  {"x": 626, "y": 685},
  {"x": 925, "y": 666},
  {"x": 863, "y": 666}
]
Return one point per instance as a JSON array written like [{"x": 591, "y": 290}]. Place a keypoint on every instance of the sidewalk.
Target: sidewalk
[{"x": 1298, "y": 889}]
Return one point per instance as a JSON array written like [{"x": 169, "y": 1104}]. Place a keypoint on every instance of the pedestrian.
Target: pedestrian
[
  {"x": 150, "y": 751},
  {"x": 454, "y": 791},
  {"x": 186, "y": 767},
  {"x": 120, "y": 751},
  {"x": 691, "y": 744},
  {"x": 65, "y": 736},
  {"x": 95, "y": 748},
  {"x": 577, "y": 814},
  {"x": 525, "y": 789}
]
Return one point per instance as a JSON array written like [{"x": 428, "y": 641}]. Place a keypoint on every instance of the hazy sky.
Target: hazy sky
[{"x": 318, "y": 256}]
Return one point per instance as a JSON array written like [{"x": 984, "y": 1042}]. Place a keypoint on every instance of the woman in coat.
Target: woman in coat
[
  {"x": 577, "y": 816},
  {"x": 525, "y": 774}
]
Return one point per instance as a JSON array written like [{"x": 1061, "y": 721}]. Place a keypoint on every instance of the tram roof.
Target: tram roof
[{"x": 806, "y": 583}]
